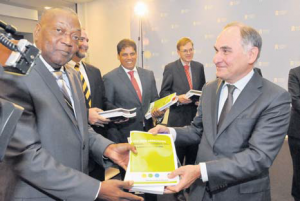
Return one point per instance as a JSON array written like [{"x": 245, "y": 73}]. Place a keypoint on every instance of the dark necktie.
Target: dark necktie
[
  {"x": 227, "y": 106},
  {"x": 135, "y": 85},
  {"x": 188, "y": 76},
  {"x": 63, "y": 88},
  {"x": 85, "y": 88}
]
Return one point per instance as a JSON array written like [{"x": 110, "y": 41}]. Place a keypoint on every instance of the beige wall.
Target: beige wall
[{"x": 107, "y": 22}]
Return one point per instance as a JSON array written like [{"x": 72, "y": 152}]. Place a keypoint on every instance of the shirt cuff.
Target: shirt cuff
[
  {"x": 98, "y": 191},
  {"x": 173, "y": 133},
  {"x": 203, "y": 171}
]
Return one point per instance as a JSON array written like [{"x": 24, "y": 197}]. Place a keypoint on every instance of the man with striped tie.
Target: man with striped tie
[{"x": 94, "y": 92}]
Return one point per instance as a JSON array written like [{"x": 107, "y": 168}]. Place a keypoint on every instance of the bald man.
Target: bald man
[{"x": 52, "y": 144}]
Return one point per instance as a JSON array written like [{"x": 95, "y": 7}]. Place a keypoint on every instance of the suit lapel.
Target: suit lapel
[
  {"x": 76, "y": 90},
  {"x": 124, "y": 77},
  {"x": 51, "y": 83},
  {"x": 143, "y": 82},
  {"x": 210, "y": 110},
  {"x": 195, "y": 75},
  {"x": 249, "y": 94},
  {"x": 181, "y": 73}
]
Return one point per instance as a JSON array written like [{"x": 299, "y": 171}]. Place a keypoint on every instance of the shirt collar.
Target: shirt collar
[
  {"x": 50, "y": 68},
  {"x": 73, "y": 63},
  {"x": 183, "y": 64},
  {"x": 240, "y": 85},
  {"x": 126, "y": 70}
]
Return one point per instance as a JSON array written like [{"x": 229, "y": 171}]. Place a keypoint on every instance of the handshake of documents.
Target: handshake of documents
[{"x": 156, "y": 158}]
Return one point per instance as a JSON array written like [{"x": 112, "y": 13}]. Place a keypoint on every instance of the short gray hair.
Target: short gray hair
[{"x": 250, "y": 37}]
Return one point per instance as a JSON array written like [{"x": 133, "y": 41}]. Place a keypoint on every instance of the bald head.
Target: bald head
[{"x": 57, "y": 35}]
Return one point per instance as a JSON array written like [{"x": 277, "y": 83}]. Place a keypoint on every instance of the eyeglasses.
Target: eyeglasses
[{"x": 187, "y": 51}]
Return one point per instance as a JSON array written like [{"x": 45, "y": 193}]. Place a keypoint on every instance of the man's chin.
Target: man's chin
[{"x": 80, "y": 55}]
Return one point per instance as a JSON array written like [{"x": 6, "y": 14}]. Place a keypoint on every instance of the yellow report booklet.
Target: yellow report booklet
[
  {"x": 161, "y": 104},
  {"x": 155, "y": 159}
]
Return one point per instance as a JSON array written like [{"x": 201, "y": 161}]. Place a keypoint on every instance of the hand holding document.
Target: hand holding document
[
  {"x": 161, "y": 104},
  {"x": 118, "y": 114},
  {"x": 155, "y": 159},
  {"x": 193, "y": 95}
]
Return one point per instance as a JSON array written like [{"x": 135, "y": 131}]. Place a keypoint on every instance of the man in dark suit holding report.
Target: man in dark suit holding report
[
  {"x": 52, "y": 142},
  {"x": 180, "y": 76},
  {"x": 129, "y": 86}
]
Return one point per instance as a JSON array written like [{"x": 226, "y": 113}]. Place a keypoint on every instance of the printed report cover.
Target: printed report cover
[
  {"x": 162, "y": 104},
  {"x": 156, "y": 158}
]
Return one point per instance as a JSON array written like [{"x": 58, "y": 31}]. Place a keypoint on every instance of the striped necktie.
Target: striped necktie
[
  {"x": 85, "y": 88},
  {"x": 63, "y": 88},
  {"x": 188, "y": 76}
]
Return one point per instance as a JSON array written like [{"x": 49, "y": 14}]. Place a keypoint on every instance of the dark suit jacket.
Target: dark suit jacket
[
  {"x": 50, "y": 148},
  {"x": 240, "y": 154},
  {"x": 121, "y": 93},
  {"x": 98, "y": 97},
  {"x": 175, "y": 80},
  {"x": 294, "y": 89}
]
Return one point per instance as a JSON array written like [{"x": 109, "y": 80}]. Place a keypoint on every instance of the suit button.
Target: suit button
[{"x": 83, "y": 147}]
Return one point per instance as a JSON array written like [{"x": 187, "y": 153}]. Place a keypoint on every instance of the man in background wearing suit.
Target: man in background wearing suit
[
  {"x": 180, "y": 76},
  {"x": 121, "y": 92},
  {"x": 240, "y": 125},
  {"x": 294, "y": 129},
  {"x": 129, "y": 86},
  {"x": 96, "y": 100},
  {"x": 52, "y": 143}
]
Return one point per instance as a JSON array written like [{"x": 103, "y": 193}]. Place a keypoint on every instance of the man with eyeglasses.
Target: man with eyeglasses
[{"x": 180, "y": 76}]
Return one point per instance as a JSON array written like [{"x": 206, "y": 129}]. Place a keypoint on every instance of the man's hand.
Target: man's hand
[
  {"x": 159, "y": 129},
  {"x": 157, "y": 114},
  {"x": 95, "y": 118},
  {"x": 183, "y": 99},
  {"x": 113, "y": 190},
  {"x": 119, "y": 153},
  {"x": 188, "y": 175}
]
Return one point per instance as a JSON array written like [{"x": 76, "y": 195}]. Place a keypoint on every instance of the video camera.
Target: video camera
[{"x": 17, "y": 57}]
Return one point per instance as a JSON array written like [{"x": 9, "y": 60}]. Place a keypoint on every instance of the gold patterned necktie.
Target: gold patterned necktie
[{"x": 85, "y": 88}]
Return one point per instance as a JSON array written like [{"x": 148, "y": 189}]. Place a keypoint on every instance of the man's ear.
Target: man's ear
[
  {"x": 36, "y": 32},
  {"x": 252, "y": 55}
]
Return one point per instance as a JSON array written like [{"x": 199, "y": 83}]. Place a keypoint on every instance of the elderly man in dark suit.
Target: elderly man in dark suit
[
  {"x": 240, "y": 126},
  {"x": 52, "y": 143},
  {"x": 180, "y": 76},
  {"x": 294, "y": 129}
]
